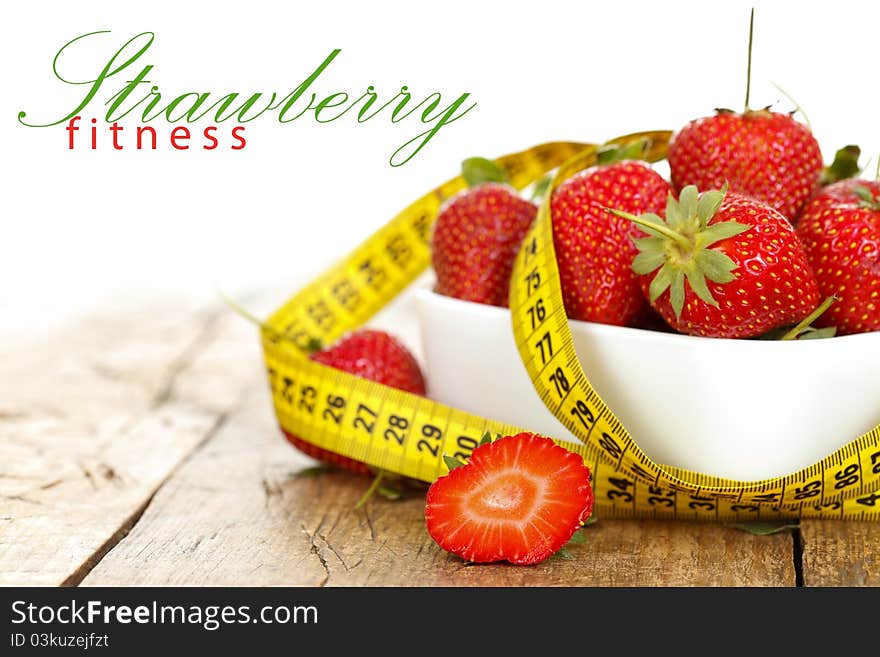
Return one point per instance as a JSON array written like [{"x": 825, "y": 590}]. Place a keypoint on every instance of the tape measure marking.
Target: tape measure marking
[{"x": 408, "y": 434}]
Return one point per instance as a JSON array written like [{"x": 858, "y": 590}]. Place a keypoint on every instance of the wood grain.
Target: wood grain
[
  {"x": 237, "y": 513},
  {"x": 94, "y": 417},
  {"x": 840, "y": 553},
  {"x": 140, "y": 447}
]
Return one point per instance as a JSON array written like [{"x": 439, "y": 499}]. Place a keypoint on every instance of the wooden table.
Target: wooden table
[{"x": 139, "y": 447}]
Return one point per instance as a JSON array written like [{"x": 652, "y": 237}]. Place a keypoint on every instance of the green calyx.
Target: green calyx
[
  {"x": 677, "y": 247},
  {"x": 845, "y": 165},
  {"x": 453, "y": 462},
  {"x": 478, "y": 171},
  {"x": 610, "y": 153},
  {"x": 866, "y": 199},
  {"x": 805, "y": 330},
  {"x": 540, "y": 188}
]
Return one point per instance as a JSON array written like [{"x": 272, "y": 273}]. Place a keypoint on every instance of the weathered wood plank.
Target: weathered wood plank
[
  {"x": 235, "y": 513},
  {"x": 839, "y": 553},
  {"x": 93, "y": 419}
]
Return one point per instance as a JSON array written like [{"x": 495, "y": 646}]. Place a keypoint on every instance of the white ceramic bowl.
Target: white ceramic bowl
[{"x": 743, "y": 409}]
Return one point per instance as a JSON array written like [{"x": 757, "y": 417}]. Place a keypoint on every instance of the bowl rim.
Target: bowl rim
[{"x": 427, "y": 294}]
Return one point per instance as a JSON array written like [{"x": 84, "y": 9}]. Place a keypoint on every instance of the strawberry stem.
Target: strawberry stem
[
  {"x": 809, "y": 319},
  {"x": 677, "y": 247},
  {"x": 675, "y": 236},
  {"x": 372, "y": 489},
  {"x": 240, "y": 310},
  {"x": 313, "y": 345},
  {"x": 749, "y": 67},
  {"x": 797, "y": 106}
]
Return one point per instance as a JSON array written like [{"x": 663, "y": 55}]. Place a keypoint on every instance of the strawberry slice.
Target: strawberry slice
[{"x": 519, "y": 499}]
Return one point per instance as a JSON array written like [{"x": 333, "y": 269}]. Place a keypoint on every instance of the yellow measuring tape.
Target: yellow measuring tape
[{"x": 408, "y": 434}]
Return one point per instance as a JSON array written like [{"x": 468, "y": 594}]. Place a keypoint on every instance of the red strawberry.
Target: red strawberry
[
  {"x": 477, "y": 236},
  {"x": 746, "y": 272},
  {"x": 594, "y": 249},
  {"x": 762, "y": 154},
  {"x": 840, "y": 232},
  {"x": 373, "y": 355},
  {"x": 519, "y": 499}
]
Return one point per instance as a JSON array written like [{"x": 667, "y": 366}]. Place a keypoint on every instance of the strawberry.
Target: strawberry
[
  {"x": 766, "y": 155},
  {"x": 519, "y": 499},
  {"x": 477, "y": 235},
  {"x": 745, "y": 270},
  {"x": 840, "y": 232},
  {"x": 762, "y": 154},
  {"x": 594, "y": 249},
  {"x": 373, "y": 355}
]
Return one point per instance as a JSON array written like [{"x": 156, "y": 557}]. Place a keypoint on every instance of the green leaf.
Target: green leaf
[
  {"x": 610, "y": 153},
  {"x": 479, "y": 170},
  {"x": 539, "y": 191},
  {"x": 698, "y": 284},
  {"x": 845, "y": 165},
  {"x": 390, "y": 493},
  {"x": 451, "y": 462},
  {"x": 725, "y": 230},
  {"x": 578, "y": 538},
  {"x": 867, "y": 199},
  {"x": 805, "y": 324},
  {"x": 313, "y": 345},
  {"x": 661, "y": 281},
  {"x": 864, "y": 193},
  {"x": 674, "y": 215},
  {"x": 562, "y": 553},
  {"x": 676, "y": 293},
  {"x": 811, "y": 333},
  {"x": 708, "y": 205},
  {"x": 486, "y": 439},
  {"x": 591, "y": 520},
  {"x": 650, "y": 244},
  {"x": 687, "y": 199},
  {"x": 645, "y": 263},
  {"x": 763, "y": 528},
  {"x": 313, "y": 471},
  {"x": 715, "y": 265}
]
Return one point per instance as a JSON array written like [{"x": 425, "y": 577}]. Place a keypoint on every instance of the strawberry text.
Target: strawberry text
[{"x": 140, "y": 98}]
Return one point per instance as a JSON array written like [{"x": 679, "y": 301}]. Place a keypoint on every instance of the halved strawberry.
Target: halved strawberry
[{"x": 518, "y": 499}]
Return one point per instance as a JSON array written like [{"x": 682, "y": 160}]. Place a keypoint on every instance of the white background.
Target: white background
[{"x": 83, "y": 227}]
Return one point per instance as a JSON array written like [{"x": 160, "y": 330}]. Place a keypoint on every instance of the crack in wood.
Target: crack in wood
[
  {"x": 315, "y": 549},
  {"x": 75, "y": 578},
  {"x": 166, "y": 391},
  {"x": 797, "y": 556},
  {"x": 270, "y": 490},
  {"x": 166, "y": 397},
  {"x": 336, "y": 553},
  {"x": 21, "y": 498},
  {"x": 6, "y": 416}
]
